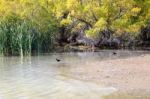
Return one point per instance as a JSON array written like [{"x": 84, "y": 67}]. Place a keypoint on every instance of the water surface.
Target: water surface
[{"x": 42, "y": 77}]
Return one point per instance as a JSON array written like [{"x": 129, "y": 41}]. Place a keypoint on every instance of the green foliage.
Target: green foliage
[
  {"x": 32, "y": 25},
  {"x": 26, "y": 26},
  {"x": 15, "y": 36},
  {"x": 117, "y": 15}
]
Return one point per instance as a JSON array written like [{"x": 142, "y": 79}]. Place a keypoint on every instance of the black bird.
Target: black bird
[
  {"x": 114, "y": 53},
  {"x": 58, "y": 60}
]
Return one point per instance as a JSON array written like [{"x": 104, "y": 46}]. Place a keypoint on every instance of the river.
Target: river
[{"x": 78, "y": 75}]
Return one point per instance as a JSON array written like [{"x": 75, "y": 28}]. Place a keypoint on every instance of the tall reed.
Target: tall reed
[{"x": 22, "y": 37}]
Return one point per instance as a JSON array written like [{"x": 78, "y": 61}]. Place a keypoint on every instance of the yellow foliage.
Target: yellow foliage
[
  {"x": 120, "y": 23},
  {"x": 86, "y": 9},
  {"x": 118, "y": 15},
  {"x": 101, "y": 24},
  {"x": 78, "y": 27},
  {"x": 103, "y": 11},
  {"x": 65, "y": 22},
  {"x": 135, "y": 11},
  {"x": 71, "y": 4},
  {"x": 134, "y": 29},
  {"x": 72, "y": 12},
  {"x": 93, "y": 33}
]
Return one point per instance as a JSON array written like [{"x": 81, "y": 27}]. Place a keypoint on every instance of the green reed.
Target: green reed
[{"x": 22, "y": 37}]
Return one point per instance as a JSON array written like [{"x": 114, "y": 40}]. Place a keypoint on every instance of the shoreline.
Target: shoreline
[
  {"x": 83, "y": 48},
  {"x": 129, "y": 75}
]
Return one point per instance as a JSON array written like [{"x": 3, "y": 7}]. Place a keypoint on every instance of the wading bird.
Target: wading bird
[{"x": 58, "y": 60}]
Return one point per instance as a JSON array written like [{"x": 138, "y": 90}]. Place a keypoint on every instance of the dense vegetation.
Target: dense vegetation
[{"x": 28, "y": 26}]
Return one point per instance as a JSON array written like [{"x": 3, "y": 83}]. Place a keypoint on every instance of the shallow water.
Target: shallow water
[{"x": 42, "y": 77}]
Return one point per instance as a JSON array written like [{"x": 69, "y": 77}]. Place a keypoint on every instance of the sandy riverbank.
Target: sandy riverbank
[{"x": 130, "y": 75}]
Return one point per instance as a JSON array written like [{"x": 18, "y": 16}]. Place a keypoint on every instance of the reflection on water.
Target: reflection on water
[{"x": 41, "y": 77}]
